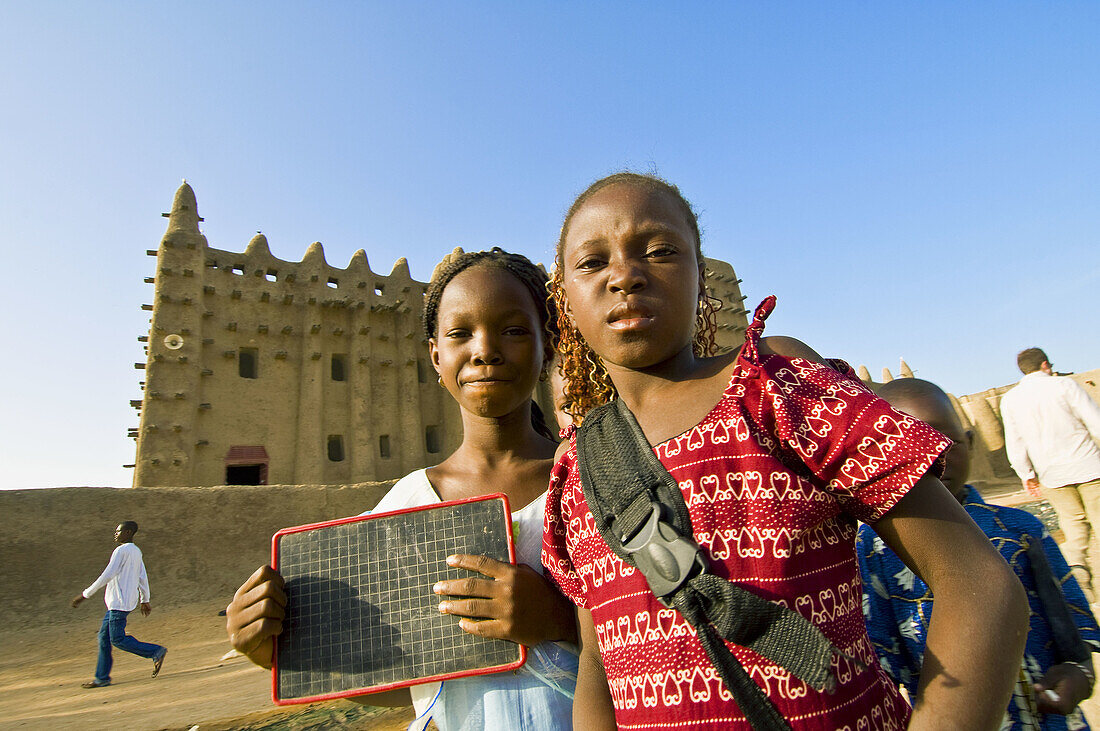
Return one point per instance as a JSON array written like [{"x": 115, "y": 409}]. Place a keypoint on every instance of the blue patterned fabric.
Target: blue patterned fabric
[{"x": 898, "y": 605}]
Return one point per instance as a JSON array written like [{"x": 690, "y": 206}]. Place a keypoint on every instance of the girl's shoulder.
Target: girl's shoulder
[
  {"x": 566, "y": 453},
  {"x": 789, "y": 347}
]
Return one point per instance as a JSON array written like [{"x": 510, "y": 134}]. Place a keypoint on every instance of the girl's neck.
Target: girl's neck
[
  {"x": 503, "y": 454},
  {"x": 670, "y": 398},
  {"x": 637, "y": 385},
  {"x": 491, "y": 441}
]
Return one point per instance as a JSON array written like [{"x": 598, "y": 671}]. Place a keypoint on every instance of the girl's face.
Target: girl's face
[
  {"x": 631, "y": 276},
  {"x": 488, "y": 346}
]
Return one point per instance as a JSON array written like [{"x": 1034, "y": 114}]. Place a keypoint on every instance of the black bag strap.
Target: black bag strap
[
  {"x": 641, "y": 514},
  {"x": 1069, "y": 646}
]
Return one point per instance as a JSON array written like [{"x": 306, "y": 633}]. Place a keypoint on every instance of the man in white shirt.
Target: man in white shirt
[
  {"x": 127, "y": 585},
  {"x": 1050, "y": 423}
]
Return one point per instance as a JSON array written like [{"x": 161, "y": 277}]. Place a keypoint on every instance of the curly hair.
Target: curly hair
[
  {"x": 532, "y": 277},
  {"x": 587, "y": 383}
]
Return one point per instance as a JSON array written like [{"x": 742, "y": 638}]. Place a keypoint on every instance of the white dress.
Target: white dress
[{"x": 539, "y": 695}]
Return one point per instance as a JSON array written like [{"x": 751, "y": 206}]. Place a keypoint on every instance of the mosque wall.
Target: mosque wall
[
  {"x": 263, "y": 370},
  {"x": 199, "y": 543}
]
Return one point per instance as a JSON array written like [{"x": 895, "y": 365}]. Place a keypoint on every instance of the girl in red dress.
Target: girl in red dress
[{"x": 777, "y": 456}]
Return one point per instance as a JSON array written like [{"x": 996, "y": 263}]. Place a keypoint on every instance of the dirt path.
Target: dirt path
[{"x": 41, "y": 669}]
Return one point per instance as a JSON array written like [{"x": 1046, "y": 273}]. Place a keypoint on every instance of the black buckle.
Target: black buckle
[{"x": 667, "y": 559}]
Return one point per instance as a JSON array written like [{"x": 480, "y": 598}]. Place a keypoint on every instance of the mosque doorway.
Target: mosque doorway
[{"x": 246, "y": 465}]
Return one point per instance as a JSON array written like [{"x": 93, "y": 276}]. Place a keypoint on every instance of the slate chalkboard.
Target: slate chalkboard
[{"x": 361, "y": 615}]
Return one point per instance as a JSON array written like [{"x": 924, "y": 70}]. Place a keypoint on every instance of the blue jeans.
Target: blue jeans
[{"x": 113, "y": 632}]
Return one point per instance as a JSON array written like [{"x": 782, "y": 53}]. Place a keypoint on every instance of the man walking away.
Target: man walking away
[
  {"x": 1050, "y": 423},
  {"x": 127, "y": 585}
]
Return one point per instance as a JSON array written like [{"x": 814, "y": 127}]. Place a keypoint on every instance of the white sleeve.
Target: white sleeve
[
  {"x": 1015, "y": 447},
  {"x": 143, "y": 584},
  {"x": 1084, "y": 408},
  {"x": 411, "y": 491},
  {"x": 113, "y": 567}
]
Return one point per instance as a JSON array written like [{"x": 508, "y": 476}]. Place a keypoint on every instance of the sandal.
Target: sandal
[
  {"x": 95, "y": 684},
  {"x": 158, "y": 662}
]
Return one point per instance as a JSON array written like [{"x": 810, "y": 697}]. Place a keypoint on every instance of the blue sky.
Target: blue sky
[{"x": 911, "y": 180}]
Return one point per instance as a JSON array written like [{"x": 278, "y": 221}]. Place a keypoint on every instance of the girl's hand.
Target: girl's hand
[
  {"x": 256, "y": 614},
  {"x": 515, "y": 603},
  {"x": 1062, "y": 689}
]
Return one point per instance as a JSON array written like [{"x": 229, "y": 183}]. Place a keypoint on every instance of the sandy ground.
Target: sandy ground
[{"x": 42, "y": 667}]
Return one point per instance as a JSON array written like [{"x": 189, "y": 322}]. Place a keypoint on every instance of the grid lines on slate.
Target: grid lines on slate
[{"x": 360, "y": 608}]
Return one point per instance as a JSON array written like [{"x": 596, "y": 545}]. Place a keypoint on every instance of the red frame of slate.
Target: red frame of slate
[{"x": 403, "y": 684}]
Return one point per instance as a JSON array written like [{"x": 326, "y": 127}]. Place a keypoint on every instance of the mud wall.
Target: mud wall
[{"x": 199, "y": 543}]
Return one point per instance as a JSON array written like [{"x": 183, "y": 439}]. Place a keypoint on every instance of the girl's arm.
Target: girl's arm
[
  {"x": 979, "y": 624},
  {"x": 592, "y": 707}
]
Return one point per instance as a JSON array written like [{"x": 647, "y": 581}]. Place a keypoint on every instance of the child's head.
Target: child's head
[
  {"x": 631, "y": 242},
  {"x": 929, "y": 403},
  {"x": 490, "y": 328},
  {"x": 649, "y": 183}
]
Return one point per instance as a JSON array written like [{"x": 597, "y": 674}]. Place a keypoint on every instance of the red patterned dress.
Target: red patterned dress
[{"x": 775, "y": 477}]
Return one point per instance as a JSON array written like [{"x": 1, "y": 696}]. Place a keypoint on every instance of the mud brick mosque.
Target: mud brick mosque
[
  {"x": 263, "y": 371},
  {"x": 260, "y": 371}
]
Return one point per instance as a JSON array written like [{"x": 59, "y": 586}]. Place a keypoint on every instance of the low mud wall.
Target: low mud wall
[{"x": 199, "y": 543}]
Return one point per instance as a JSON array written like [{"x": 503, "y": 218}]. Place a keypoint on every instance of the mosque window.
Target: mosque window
[
  {"x": 433, "y": 440},
  {"x": 384, "y": 446},
  {"x": 339, "y": 367},
  {"x": 378, "y": 289},
  {"x": 248, "y": 362},
  {"x": 271, "y": 275},
  {"x": 336, "y": 448},
  {"x": 239, "y": 271},
  {"x": 333, "y": 282}
]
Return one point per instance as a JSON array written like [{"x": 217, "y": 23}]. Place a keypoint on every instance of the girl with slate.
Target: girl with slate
[
  {"x": 766, "y": 459},
  {"x": 489, "y": 327}
]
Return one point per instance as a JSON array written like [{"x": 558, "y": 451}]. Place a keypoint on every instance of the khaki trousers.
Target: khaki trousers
[{"x": 1078, "y": 509}]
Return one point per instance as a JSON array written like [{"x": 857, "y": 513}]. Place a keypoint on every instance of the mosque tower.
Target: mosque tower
[
  {"x": 169, "y": 410},
  {"x": 263, "y": 371}
]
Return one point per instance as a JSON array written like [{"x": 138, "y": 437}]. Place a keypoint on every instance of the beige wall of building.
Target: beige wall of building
[
  {"x": 981, "y": 412},
  {"x": 219, "y": 317},
  {"x": 199, "y": 543}
]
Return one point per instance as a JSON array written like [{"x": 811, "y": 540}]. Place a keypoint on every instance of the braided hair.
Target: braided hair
[
  {"x": 534, "y": 280},
  {"x": 587, "y": 383}
]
